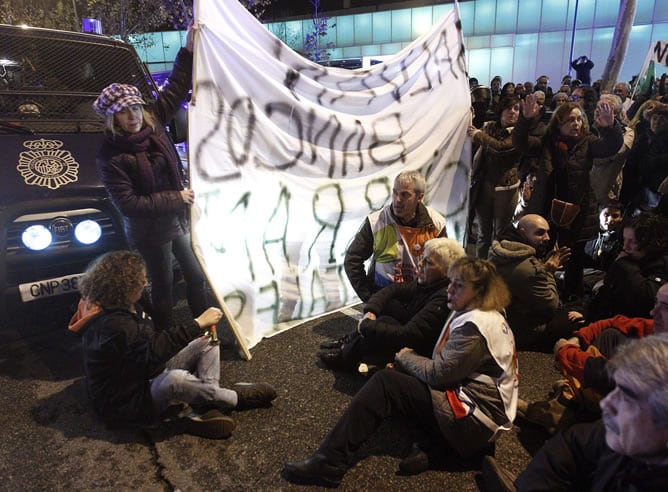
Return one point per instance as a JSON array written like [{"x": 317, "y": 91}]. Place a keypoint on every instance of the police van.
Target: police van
[{"x": 55, "y": 215}]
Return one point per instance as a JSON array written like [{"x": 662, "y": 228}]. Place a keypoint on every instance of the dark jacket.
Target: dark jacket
[
  {"x": 535, "y": 298},
  {"x": 498, "y": 160},
  {"x": 580, "y": 460},
  {"x": 569, "y": 183},
  {"x": 121, "y": 353},
  {"x": 630, "y": 288},
  {"x": 424, "y": 313},
  {"x": 153, "y": 208},
  {"x": 601, "y": 251}
]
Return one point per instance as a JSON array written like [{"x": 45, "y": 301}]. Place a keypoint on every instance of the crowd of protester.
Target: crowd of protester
[{"x": 568, "y": 252}]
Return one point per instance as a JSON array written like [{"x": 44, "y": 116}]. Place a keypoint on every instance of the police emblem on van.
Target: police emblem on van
[{"x": 46, "y": 164}]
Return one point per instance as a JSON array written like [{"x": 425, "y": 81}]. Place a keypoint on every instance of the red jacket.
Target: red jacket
[{"x": 573, "y": 360}]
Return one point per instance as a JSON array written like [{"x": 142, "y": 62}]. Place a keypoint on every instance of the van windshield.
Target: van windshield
[{"x": 49, "y": 80}]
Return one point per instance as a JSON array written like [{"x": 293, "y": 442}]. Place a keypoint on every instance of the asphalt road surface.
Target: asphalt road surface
[{"x": 50, "y": 440}]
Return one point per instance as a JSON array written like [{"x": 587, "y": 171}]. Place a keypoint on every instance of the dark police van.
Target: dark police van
[{"x": 55, "y": 216}]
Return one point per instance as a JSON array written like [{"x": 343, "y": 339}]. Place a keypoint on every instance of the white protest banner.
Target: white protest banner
[{"x": 288, "y": 157}]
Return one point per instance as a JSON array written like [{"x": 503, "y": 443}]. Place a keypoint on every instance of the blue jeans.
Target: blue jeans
[
  {"x": 159, "y": 267},
  {"x": 192, "y": 376}
]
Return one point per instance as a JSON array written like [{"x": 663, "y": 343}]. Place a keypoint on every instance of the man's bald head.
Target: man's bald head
[{"x": 535, "y": 230}]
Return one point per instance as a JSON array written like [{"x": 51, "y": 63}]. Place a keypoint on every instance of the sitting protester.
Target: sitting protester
[
  {"x": 601, "y": 251},
  {"x": 466, "y": 392},
  {"x": 631, "y": 282},
  {"x": 400, "y": 315},
  {"x": 583, "y": 360},
  {"x": 138, "y": 376},
  {"x": 626, "y": 450},
  {"x": 522, "y": 256}
]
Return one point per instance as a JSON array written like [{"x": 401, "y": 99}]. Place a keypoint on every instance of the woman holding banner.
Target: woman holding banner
[{"x": 140, "y": 169}]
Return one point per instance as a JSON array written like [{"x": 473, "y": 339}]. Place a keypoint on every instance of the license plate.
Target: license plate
[{"x": 50, "y": 287}]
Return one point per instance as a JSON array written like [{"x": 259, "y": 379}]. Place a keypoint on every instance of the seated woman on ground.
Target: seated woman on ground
[
  {"x": 400, "y": 315},
  {"x": 465, "y": 392},
  {"x": 632, "y": 281},
  {"x": 137, "y": 376}
]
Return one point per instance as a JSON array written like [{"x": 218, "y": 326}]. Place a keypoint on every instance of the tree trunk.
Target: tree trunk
[{"x": 620, "y": 43}]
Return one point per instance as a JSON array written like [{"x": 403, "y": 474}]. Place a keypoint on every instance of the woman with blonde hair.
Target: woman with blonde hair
[
  {"x": 465, "y": 392},
  {"x": 141, "y": 172}
]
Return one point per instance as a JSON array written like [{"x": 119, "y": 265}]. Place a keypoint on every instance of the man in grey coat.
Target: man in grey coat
[{"x": 518, "y": 255}]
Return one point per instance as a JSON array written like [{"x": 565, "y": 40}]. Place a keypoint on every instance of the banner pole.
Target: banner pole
[{"x": 244, "y": 352}]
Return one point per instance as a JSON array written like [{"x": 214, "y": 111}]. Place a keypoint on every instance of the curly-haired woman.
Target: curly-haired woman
[{"x": 136, "y": 375}]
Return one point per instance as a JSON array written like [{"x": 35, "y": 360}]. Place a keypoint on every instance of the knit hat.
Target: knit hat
[{"x": 115, "y": 97}]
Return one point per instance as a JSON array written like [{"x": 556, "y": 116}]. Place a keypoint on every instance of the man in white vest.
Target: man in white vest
[{"x": 393, "y": 237}]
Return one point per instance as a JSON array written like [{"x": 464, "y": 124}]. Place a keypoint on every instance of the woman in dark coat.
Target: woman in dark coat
[
  {"x": 563, "y": 192},
  {"x": 496, "y": 185},
  {"x": 141, "y": 171}
]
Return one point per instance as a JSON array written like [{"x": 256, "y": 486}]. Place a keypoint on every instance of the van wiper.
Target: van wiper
[{"x": 15, "y": 128}]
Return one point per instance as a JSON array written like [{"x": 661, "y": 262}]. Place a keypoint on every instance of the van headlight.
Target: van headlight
[
  {"x": 36, "y": 237},
  {"x": 87, "y": 231}
]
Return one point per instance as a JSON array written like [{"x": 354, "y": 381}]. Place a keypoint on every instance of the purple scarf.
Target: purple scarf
[{"x": 140, "y": 144}]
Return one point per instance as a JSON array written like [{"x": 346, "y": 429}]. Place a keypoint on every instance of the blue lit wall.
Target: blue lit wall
[{"x": 517, "y": 39}]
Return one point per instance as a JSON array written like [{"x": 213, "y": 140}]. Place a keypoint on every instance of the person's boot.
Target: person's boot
[
  {"x": 254, "y": 395},
  {"x": 332, "y": 359},
  {"x": 315, "y": 470},
  {"x": 336, "y": 344},
  {"x": 416, "y": 462},
  {"x": 212, "y": 424}
]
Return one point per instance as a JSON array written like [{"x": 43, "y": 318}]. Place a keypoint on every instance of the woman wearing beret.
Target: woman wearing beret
[{"x": 141, "y": 172}]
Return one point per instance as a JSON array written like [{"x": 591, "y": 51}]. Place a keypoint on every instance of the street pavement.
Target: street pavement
[{"x": 50, "y": 440}]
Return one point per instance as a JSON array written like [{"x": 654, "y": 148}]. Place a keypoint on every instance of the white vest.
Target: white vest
[{"x": 501, "y": 344}]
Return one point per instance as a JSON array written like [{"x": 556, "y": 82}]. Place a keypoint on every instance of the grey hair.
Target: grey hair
[
  {"x": 446, "y": 251},
  {"x": 413, "y": 178},
  {"x": 645, "y": 365},
  {"x": 614, "y": 101}
]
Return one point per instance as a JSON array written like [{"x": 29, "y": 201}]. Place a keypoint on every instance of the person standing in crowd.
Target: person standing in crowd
[
  {"x": 495, "y": 180},
  {"x": 623, "y": 91},
  {"x": 606, "y": 173},
  {"x": 137, "y": 376},
  {"x": 626, "y": 450},
  {"x": 466, "y": 392},
  {"x": 558, "y": 99},
  {"x": 644, "y": 181},
  {"x": 563, "y": 191},
  {"x": 393, "y": 237},
  {"x": 407, "y": 314},
  {"x": 140, "y": 170},
  {"x": 582, "y": 66},
  {"x": 495, "y": 86},
  {"x": 543, "y": 84}
]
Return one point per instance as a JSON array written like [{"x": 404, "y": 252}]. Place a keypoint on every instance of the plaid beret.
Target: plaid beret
[{"x": 116, "y": 97}]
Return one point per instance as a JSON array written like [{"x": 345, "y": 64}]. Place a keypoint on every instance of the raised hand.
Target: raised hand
[{"x": 530, "y": 107}]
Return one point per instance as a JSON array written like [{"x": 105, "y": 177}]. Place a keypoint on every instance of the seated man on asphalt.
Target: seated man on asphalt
[
  {"x": 400, "y": 315},
  {"x": 517, "y": 254},
  {"x": 626, "y": 450},
  {"x": 138, "y": 376},
  {"x": 393, "y": 238}
]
